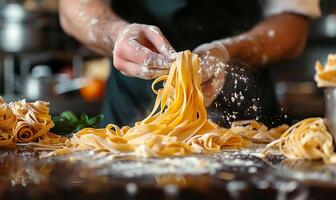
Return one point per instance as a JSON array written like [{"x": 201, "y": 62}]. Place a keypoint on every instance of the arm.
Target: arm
[
  {"x": 91, "y": 22},
  {"x": 138, "y": 50},
  {"x": 278, "y": 37}
]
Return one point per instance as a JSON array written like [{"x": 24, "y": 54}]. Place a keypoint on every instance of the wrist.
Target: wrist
[
  {"x": 115, "y": 28},
  {"x": 225, "y": 54},
  {"x": 232, "y": 45},
  {"x": 102, "y": 35},
  {"x": 245, "y": 48}
]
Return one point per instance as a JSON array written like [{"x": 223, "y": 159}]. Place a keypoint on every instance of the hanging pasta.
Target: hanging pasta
[{"x": 177, "y": 125}]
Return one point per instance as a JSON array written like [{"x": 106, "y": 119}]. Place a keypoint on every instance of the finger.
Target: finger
[
  {"x": 206, "y": 69},
  {"x": 135, "y": 52},
  {"x": 160, "y": 42},
  {"x": 135, "y": 70},
  {"x": 212, "y": 88},
  {"x": 211, "y": 66},
  {"x": 206, "y": 62}
]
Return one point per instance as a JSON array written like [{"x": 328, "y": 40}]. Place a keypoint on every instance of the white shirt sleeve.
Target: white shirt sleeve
[{"x": 309, "y": 8}]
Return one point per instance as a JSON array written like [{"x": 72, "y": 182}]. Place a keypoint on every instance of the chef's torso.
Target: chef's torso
[{"x": 186, "y": 24}]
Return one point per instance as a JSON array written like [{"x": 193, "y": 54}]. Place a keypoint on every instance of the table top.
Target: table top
[{"x": 239, "y": 174}]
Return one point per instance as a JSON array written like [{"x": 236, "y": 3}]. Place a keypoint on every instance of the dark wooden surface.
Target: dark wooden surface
[{"x": 230, "y": 175}]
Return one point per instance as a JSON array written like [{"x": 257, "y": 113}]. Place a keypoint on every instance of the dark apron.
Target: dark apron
[{"x": 186, "y": 24}]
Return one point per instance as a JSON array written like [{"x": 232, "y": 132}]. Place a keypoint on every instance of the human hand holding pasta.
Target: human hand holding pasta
[
  {"x": 138, "y": 50},
  {"x": 142, "y": 51},
  {"x": 214, "y": 57}
]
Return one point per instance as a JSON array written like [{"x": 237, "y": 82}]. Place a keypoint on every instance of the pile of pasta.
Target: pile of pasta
[
  {"x": 308, "y": 139},
  {"x": 326, "y": 76},
  {"x": 23, "y": 122},
  {"x": 178, "y": 126}
]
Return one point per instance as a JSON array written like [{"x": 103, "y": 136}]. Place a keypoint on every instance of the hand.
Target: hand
[
  {"x": 214, "y": 57},
  {"x": 142, "y": 51}
]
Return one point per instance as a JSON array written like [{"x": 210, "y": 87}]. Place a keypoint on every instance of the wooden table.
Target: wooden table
[{"x": 226, "y": 175}]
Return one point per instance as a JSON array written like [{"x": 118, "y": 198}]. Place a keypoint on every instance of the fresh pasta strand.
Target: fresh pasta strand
[
  {"x": 307, "y": 139},
  {"x": 177, "y": 125},
  {"x": 6, "y": 139},
  {"x": 23, "y": 132}
]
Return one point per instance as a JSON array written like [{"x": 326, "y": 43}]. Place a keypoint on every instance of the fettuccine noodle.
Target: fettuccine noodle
[
  {"x": 307, "y": 139},
  {"x": 177, "y": 125},
  {"x": 326, "y": 76}
]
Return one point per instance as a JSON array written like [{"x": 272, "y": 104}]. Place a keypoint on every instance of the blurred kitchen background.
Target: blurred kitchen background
[
  {"x": 294, "y": 79},
  {"x": 39, "y": 61}
]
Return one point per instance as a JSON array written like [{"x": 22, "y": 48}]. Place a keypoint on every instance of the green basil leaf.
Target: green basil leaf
[
  {"x": 70, "y": 116},
  {"x": 84, "y": 118},
  {"x": 62, "y": 126},
  {"x": 93, "y": 122}
]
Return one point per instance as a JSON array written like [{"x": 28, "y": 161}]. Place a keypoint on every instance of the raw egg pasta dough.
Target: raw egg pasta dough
[
  {"x": 326, "y": 76},
  {"x": 177, "y": 125}
]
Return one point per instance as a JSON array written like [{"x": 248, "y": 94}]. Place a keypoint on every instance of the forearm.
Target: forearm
[
  {"x": 91, "y": 22},
  {"x": 278, "y": 37}
]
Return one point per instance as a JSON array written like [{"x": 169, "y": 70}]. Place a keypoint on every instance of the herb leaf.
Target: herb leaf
[{"x": 68, "y": 122}]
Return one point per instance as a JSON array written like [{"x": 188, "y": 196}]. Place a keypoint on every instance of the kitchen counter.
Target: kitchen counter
[{"x": 227, "y": 175}]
